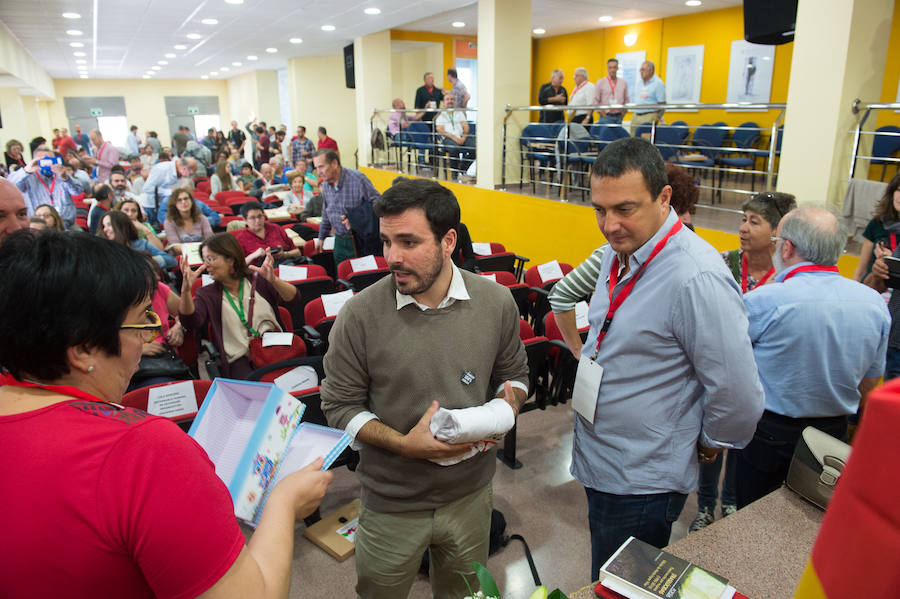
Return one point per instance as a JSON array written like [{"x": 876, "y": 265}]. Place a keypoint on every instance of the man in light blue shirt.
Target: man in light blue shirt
[
  {"x": 679, "y": 384},
  {"x": 819, "y": 340},
  {"x": 649, "y": 89},
  {"x": 133, "y": 142}
]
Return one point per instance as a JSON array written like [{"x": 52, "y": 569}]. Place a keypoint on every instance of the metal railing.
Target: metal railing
[
  {"x": 885, "y": 140},
  {"x": 422, "y": 146},
  {"x": 553, "y": 150}
]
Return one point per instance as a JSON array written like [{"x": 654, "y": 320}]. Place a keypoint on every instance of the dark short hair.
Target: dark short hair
[
  {"x": 62, "y": 290},
  {"x": 246, "y": 164},
  {"x": 615, "y": 60},
  {"x": 771, "y": 205},
  {"x": 134, "y": 127},
  {"x": 226, "y": 244},
  {"x": 452, "y": 73},
  {"x": 323, "y": 131},
  {"x": 684, "y": 189},
  {"x": 439, "y": 204},
  {"x": 117, "y": 169},
  {"x": 330, "y": 156},
  {"x": 251, "y": 205},
  {"x": 633, "y": 154},
  {"x": 103, "y": 192}
]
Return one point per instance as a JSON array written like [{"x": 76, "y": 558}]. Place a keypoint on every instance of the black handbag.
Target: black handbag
[{"x": 165, "y": 365}]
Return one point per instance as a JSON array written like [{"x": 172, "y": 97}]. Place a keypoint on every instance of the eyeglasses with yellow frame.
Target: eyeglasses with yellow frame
[{"x": 149, "y": 330}]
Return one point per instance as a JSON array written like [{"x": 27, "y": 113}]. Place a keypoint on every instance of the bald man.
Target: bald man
[
  {"x": 104, "y": 157},
  {"x": 819, "y": 343},
  {"x": 13, "y": 212}
]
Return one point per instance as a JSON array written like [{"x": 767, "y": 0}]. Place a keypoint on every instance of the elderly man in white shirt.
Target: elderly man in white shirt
[
  {"x": 453, "y": 129},
  {"x": 582, "y": 95}
]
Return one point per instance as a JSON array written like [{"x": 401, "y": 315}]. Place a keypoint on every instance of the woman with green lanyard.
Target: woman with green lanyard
[{"x": 224, "y": 304}]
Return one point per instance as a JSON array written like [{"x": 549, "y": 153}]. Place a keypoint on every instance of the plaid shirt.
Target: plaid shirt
[
  {"x": 36, "y": 189},
  {"x": 352, "y": 189},
  {"x": 301, "y": 149}
]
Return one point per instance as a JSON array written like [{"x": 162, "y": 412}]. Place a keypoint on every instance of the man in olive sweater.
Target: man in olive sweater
[{"x": 429, "y": 335}]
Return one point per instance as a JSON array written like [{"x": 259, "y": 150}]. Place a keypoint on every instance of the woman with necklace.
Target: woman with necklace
[{"x": 225, "y": 304}]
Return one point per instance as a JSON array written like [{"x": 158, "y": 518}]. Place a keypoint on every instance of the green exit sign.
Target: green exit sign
[
  {"x": 96, "y": 112},
  {"x": 193, "y": 110}
]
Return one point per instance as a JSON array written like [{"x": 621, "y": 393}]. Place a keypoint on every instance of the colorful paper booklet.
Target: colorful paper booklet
[
  {"x": 254, "y": 436},
  {"x": 638, "y": 570}
]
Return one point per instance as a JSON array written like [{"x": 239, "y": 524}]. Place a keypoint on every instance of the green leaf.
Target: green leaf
[
  {"x": 539, "y": 593},
  {"x": 556, "y": 594},
  {"x": 488, "y": 585}
]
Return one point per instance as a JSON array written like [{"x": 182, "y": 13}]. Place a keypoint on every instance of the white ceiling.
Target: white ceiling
[{"x": 126, "y": 38}]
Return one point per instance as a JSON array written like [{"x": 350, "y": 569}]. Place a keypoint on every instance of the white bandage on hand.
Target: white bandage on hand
[{"x": 482, "y": 425}]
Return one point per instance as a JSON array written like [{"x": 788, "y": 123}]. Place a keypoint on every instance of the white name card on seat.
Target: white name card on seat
[
  {"x": 172, "y": 400},
  {"x": 550, "y": 271},
  {"x": 491, "y": 276},
  {"x": 278, "y": 214},
  {"x": 286, "y": 272},
  {"x": 482, "y": 249},
  {"x": 272, "y": 339},
  {"x": 298, "y": 379},
  {"x": 333, "y": 302},
  {"x": 206, "y": 280},
  {"x": 191, "y": 251},
  {"x": 364, "y": 263},
  {"x": 328, "y": 243},
  {"x": 581, "y": 315}
]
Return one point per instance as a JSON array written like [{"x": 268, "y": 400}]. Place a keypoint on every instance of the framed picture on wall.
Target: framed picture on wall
[
  {"x": 750, "y": 72},
  {"x": 629, "y": 68},
  {"x": 684, "y": 73}
]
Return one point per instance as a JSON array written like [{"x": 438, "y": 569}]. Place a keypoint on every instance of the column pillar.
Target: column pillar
[
  {"x": 504, "y": 77},
  {"x": 372, "y": 64},
  {"x": 840, "y": 51}
]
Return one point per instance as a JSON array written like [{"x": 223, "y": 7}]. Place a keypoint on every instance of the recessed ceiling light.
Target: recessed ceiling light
[
  {"x": 83, "y": 77},
  {"x": 194, "y": 36},
  {"x": 214, "y": 74},
  {"x": 210, "y": 21},
  {"x": 693, "y": 3},
  {"x": 252, "y": 57},
  {"x": 150, "y": 73},
  {"x": 271, "y": 50},
  {"x": 180, "y": 47},
  {"x": 234, "y": 1},
  {"x": 372, "y": 11},
  {"x": 162, "y": 62},
  {"x": 224, "y": 69},
  {"x": 605, "y": 19},
  {"x": 156, "y": 68},
  {"x": 539, "y": 31},
  {"x": 76, "y": 44},
  {"x": 169, "y": 55},
  {"x": 458, "y": 24},
  {"x": 296, "y": 40},
  {"x": 71, "y": 15},
  {"x": 79, "y": 54},
  {"x": 145, "y": 77},
  {"x": 73, "y": 32},
  {"x": 237, "y": 64},
  {"x": 81, "y": 61},
  {"x": 204, "y": 76},
  {"x": 328, "y": 27}
]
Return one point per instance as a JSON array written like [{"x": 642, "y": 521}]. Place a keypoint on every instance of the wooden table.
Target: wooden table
[{"x": 761, "y": 550}]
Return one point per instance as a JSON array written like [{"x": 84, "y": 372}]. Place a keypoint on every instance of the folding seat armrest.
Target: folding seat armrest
[
  {"x": 345, "y": 284},
  {"x": 314, "y": 341},
  {"x": 520, "y": 266}
]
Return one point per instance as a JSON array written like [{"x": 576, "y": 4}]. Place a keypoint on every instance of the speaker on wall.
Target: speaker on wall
[
  {"x": 769, "y": 22},
  {"x": 349, "y": 70}
]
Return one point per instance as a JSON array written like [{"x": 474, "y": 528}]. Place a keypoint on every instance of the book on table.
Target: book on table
[
  {"x": 641, "y": 571},
  {"x": 253, "y": 434}
]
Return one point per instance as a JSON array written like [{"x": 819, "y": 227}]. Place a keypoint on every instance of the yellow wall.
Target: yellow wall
[
  {"x": 319, "y": 97},
  {"x": 408, "y": 68},
  {"x": 446, "y": 40},
  {"x": 715, "y": 30},
  {"x": 544, "y": 230},
  {"x": 144, "y": 103}
]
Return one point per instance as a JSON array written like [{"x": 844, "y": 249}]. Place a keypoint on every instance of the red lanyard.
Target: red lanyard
[
  {"x": 761, "y": 282},
  {"x": 100, "y": 151},
  {"x": 578, "y": 87},
  {"x": 612, "y": 86},
  {"x": 893, "y": 242},
  {"x": 49, "y": 189},
  {"x": 619, "y": 299},
  {"x": 810, "y": 268},
  {"x": 7, "y": 379}
]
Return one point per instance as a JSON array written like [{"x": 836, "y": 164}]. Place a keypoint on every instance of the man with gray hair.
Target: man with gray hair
[
  {"x": 819, "y": 341},
  {"x": 649, "y": 89},
  {"x": 582, "y": 95},
  {"x": 555, "y": 94}
]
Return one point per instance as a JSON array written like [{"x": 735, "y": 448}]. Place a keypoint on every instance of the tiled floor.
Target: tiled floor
[{"x": 540, "y": 501}]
